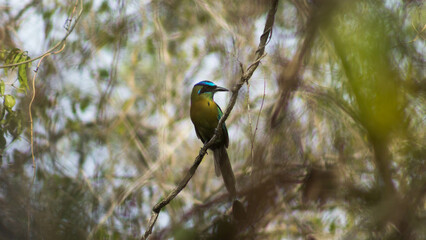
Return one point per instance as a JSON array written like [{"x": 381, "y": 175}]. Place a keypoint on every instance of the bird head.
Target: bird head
[{"x": 206, "y": 89}]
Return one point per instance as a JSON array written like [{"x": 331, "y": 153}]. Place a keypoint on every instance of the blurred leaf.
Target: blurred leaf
[
  {"x": 2, "y": 88},
  {"x": 104, "y": 7},
  {"x": 103, "y": 73},
  {"x": 2, "y": 113},
  {"x": 150, "y": 46},
  {"x": 72, "y": 125},
  {"x": 9, "y": 102},
  {"x": 148, "y": 55},
  {"x": 2, "y": 141},
  {"x": 2, "y": 55},
  {"x": 16, "y": 56},
  {"x": 332, "y": 227},
  {"x": 47, "y": 15},
  {"x": 186, "y": 234},
  {"x": 14, "y": 123},
  {"x": 22, "y": 76},
  {"x": 12, "y": 55},
  {"x": 85, "y": 102},
  {"x": 74, "y": 107},
  {"x": 195, "y": 51}
]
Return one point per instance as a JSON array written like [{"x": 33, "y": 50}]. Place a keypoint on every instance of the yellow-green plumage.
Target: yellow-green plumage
[{"x": 205, "y": 115}]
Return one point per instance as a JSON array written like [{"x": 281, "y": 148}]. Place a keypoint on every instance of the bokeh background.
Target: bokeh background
[{"x": 327, "y": 139}]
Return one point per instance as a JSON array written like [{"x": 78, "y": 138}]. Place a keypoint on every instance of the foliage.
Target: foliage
[{"x": 326, "y": 139}]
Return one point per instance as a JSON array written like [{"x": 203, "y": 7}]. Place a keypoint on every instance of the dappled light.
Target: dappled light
[{"x": 307, "y": 119}]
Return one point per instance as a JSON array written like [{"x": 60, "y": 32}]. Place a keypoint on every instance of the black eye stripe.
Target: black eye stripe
[{"x": 207, "y": 89}]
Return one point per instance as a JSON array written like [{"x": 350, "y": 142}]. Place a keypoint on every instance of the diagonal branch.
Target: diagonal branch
[{"x": 267, "y": 33}]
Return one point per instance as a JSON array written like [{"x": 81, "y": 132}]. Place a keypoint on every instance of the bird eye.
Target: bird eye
[{"x": 201, "y": 90}]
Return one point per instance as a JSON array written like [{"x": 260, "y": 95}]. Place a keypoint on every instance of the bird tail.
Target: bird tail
[{"x": 223, "y": 165}]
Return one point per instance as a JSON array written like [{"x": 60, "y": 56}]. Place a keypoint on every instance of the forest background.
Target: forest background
[{"x": 327, "y": 137}]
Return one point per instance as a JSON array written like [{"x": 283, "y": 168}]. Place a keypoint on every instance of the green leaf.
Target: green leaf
[
  {"x": 17, "y": 58},
  {"x": 104, "y": 7},
  {"x": 9, "y": 101},
  {"x": 3, "y": 55},
  {"x": 22, "y": 76},
  {"x": 332, "y": 227},
  {"x": 2, "y": 113},
  {"x": 103, "y": 73},
  {"x": 2, "y": 88},
  {"x": 74, "y": 108},
  {"x": 84, "y": 103},
  {"x": 72, "y": 125},
  {"x": 14, "y": 123},
  {"x": 11, "y": 55}
]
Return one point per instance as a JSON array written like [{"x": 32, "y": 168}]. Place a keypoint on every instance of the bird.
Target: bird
[{"x": 205, "y": 115}]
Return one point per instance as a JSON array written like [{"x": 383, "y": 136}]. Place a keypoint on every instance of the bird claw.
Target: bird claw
[{"x": 207, "y": 153}]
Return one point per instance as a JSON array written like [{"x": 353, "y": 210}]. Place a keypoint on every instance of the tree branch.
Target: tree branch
[
  {"x": 267, "y": 33},
  {"x": 289, "y": 79}
]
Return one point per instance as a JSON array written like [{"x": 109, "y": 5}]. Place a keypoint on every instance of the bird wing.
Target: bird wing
[
  {"x": 198, "y": 134},
  {"x": 225, "y": 130}
]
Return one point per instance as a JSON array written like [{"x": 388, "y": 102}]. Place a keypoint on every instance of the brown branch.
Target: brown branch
[
  {"x": 289, "y": 79},
  {"x": 271, "y": 179},
  {"x": 267, "y": 32}
]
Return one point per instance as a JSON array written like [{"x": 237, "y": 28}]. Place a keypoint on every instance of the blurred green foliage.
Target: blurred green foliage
[{"x": 112, "y": 136}]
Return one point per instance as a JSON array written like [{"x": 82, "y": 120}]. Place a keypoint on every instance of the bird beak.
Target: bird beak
[{"x": 220, "y": 89}]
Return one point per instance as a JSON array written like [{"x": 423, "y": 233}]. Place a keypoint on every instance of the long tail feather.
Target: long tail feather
[
  {"x": 216, "y": 164},
  {"x": 222, "y": 162}
]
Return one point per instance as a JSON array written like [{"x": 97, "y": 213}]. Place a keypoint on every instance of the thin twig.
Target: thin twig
[
  {"x": 260, "y": 111},
  {"x": 288, "y": 78},
  {"x": 48, "y": 53},
  {"x": 261, "y": 107},
  {"x": 249, "y": 119},
  {"x": 244, "y": 78},
  {"x": 24, "y": 9},
  {"x": 34, "y": 90},
  {"x": 253, "y": 135},
  {"x": 56, "y": 46}
]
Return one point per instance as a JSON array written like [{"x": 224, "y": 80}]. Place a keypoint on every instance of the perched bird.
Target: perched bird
[{"x": 205, "y": 115}]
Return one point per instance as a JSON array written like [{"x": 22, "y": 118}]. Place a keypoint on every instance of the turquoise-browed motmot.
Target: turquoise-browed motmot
[{"x": 205, "y": 115}]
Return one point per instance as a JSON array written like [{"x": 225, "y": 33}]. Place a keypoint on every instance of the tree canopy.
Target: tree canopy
[{"x": 326, "y": 119}]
